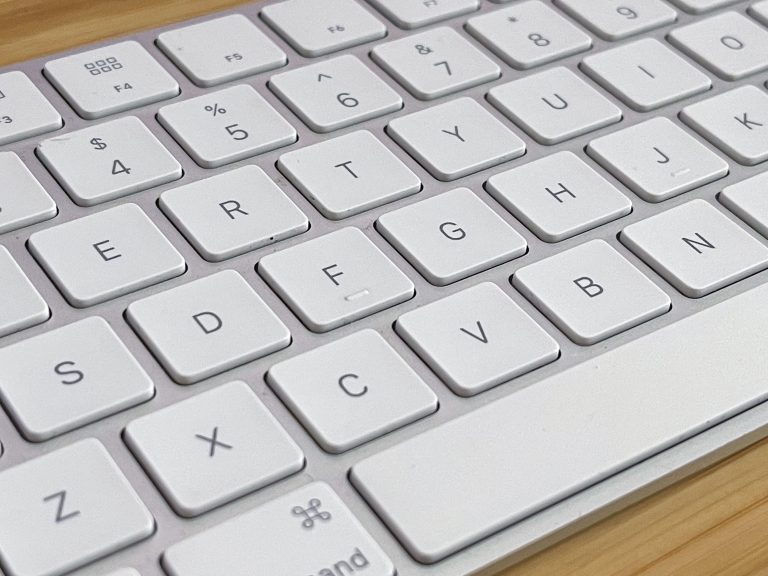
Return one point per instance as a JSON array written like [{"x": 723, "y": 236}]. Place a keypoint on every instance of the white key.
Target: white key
[
  {"x": 528, "y": 34},
  {"x": 69, "y": 377},
  {"x": 207, "y": 326},
  {"x": 729, "y": 44},
  {"x": 220, "y": 50},
  {"x": 110, "y": 79},
  {"x": 23, "y": 201},
  {"x": 335, "y": 279},
  {"x": 617, "y": 19},
  {"x": 24, "y": 111},
  {"x": 408, "y": 14},
  {"x": 747, "y": 199},
  {"x": 657, "y": 159},
  {"x": 700, "y": 6},
  {"x": 759, "y": 11},
  {"x": 591, "y": 292},
  {"x": 569, "y": 431},
  {"x": 105, "y": 255},
  {"x": 335, "y": 93},
  {"x": 646, "y": 74},
  {"x": 554, "y": 105},
  {"x": 124, "y": 572},
  {"x": 74, "y": 504},
  {"x": 359, "y": 376},
  {"x": 233, "y": 213},
  {"x": 349, "y": 174},
  {"x": 558, "y": 196},
  {"x": 476, "y": 339},
  {"x": 108, "y": 161},
  {"x": 21, "y": 305},
  {"x": 226, "y": 126},
  {"x": 318, "y": 27},
  {"x": 435, "y": 63},
  {"x": 311, "y": 520},
  {"x": 735, "y": 121},
  {"x": 696, "y": 248},
  {"x": 455, "y": 138},
  {"x": 212, "y": 448},
  {"x": 451, "y": 236}
]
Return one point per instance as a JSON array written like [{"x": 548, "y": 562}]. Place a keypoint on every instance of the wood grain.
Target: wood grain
[{"x": 714, "y": 523}]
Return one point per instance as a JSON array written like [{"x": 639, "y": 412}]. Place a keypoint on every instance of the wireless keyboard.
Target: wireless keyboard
[{"x": 331, "y": 287}]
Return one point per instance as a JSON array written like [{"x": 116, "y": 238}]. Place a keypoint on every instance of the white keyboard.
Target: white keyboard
[{"x": 328, "y": 287}]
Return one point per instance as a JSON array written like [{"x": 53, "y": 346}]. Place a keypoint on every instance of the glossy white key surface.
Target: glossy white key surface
[
  {"x": 24, "y": 111},
  {"x": 617, "y": 19},
  {"x": 68, "y": 377},
  {"x": 700, "y": 6},
  {"x": 409, "y": 14},
  {"x": 541, "y": 445},
  {"x": 759, "y": 11},
  {"x": 74, "y": 504},
  {"x": 23, "y": 201},
  {"x": 212, "y": 448},
  {"x": 748, "y": 200},
  {"x": 21, "y": 305}
]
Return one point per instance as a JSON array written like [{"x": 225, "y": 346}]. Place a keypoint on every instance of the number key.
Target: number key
[
  {"x": 24, "y": 111},
  {"x": 617, "y": 19}
]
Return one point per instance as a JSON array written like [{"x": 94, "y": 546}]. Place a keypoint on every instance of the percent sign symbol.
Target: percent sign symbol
[{"x": 215, "y": 110}]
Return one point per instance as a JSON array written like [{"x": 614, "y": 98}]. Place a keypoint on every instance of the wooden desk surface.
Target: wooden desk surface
[{"x": 711, "y": 524}]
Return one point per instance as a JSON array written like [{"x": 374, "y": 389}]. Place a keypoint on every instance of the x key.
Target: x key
[{"x": 214, "y": 441}]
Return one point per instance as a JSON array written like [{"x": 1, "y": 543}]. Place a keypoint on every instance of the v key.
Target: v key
[{"x": 481, "y": 336}]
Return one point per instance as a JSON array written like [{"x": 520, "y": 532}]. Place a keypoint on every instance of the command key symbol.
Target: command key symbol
[{"x": 311, "y": 513}]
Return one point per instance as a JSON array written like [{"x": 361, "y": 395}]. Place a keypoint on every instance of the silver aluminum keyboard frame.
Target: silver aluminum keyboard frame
[{"x": 491, "y": 554}]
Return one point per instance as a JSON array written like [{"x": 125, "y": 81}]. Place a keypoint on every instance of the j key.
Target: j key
[
  {"x": 435, "y": 63},
  {"x": 226, "y": 126},
  {"x": 63, "y": 379},
  {"x": 729, "y": 44},
  {"x": 107, "y": 161},
  {"x": 407, "y": 14},
  {"x": 105, "y": 255},
  {"x": 110, "y": 79},
  {"x": 24, "y": 111},
  {"x": 318, "y": 27},
  {"x": 21, "y": 305},
  {"x": 528, "y": 34},
  {"x": 212, "y": 448},
  {"x": 335, "y": 279},
  {"x": 618, "y": 19},
  {"x": 23, "y": 201},
  {"x": 335, "y": 93},
  {"x": 360, "y": 376},
  {"x": 73, "y": 517},
  {"x": 748, "y": 200},
  {"x": 220, "y": 50},
  {"x": 696, "y": 248},
  {"x": 312, "y": 520},
  {"x": 699, "y": 6}
]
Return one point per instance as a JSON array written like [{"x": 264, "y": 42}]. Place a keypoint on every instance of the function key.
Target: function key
[
  {"x": 410, "y": 14},
  {"x": 24, "y": 111}
]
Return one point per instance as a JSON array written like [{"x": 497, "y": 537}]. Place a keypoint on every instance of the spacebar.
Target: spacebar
[{"x": 468, "y": 478}]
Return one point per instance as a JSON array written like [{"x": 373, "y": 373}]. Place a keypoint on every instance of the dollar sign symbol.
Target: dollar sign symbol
[{"x": 98, "y": 144}]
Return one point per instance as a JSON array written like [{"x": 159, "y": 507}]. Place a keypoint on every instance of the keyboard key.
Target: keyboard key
[
  {"x": 23, "y": 201},
  {"x": 205, "y": 327},
  {"x": 591, "y": 292},
  {"x": 349, "y": 174},
  {"x": 359, "y": 376},
  {"x": 220, "y": 50},
  {"x": 729, "y": 44},
  {"x": 567, "y": 432},
  {"x": 747, "y": 199},
  {"x": 312, "y": 520},
  {"x": 435, "y": 63},
  {"x": 735, "y": 122},
  {"x": 700, "y": 6},
  {"x": 21, "y": 305},
  {"x": 24, "y": 111},
  {"x": 233, "y": 213},
  {"x": 646, "y": 74},
  {"x": 558, "y": 196},
  {"x": 71, "y": 517},
  {"x": 110, "y": 79},
  {"x": 759, "y": 11},
  {"x": 335, "y": 279},
  {"x": 476, "y": 339},
  {"x": 335, "y": 93},
  {"x": 108, "y": 161},
  {"x": 618, "y": 19},
  {"x": 105, "y": 255},
  {"x": 528, "y": 34},
  {"x": 696, "y": 248},
  {"x": 318, "y": 27},
  {"x": 657, "y": 159},
  {"x": 451, "y": 236},
  {"x": 222, "y": 127},
  {"x": 455, "y": 139},
  {"x": 124, "y": 572},
  {"x": 554, "y": 106},
  {"x": 407, "y": 14},
  {"x": 212, "y": 448},
  {"x": 69, "y": 377}
]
